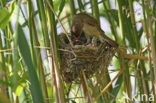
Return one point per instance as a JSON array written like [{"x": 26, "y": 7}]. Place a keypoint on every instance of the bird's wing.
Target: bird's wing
[
  {"x": 91, "y": 21},
  {"x": 88, "y": 19}
]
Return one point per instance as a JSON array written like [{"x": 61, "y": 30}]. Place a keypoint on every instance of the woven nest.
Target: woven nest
[{"x": 80, "y": 58}]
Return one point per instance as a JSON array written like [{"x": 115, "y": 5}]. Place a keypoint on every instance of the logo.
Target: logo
[{"x": 137, "y": 98}]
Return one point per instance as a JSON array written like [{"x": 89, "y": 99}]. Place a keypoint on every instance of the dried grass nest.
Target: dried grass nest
[{"x": 80, "y": 58}]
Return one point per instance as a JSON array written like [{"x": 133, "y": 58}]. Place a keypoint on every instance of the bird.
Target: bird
[
  {"x": 83, "y": 22},
  {"x": 81, "y": 41}
]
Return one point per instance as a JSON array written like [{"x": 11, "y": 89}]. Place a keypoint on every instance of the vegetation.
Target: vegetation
[{"x": 30, "y": 61}]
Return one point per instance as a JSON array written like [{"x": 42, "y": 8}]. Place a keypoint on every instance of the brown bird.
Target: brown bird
[{"x": 83, "y": 22}]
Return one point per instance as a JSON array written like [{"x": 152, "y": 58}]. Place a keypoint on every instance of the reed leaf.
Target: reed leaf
[{"x": 34, "y": 81}]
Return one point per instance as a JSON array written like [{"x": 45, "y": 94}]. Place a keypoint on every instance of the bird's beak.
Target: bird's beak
[{"x": 77, "y": 37}]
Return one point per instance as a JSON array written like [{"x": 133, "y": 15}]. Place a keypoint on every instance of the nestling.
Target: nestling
[
  {"x": 81, "y": 41},
  {"x": 83, "y": 22}
]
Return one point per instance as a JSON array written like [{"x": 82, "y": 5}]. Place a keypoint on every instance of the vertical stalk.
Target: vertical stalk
[
  {"x": 57, "y": 68},
  {"x": 2, "y": 69},
  {"x": 137, "y": 45},
  {"x": 85, "y": 88},
  {"x": 113, "y": 29},
  {"x": 121, "y": 25},
  {"x": 40, "y": 62},
  {"x": 95, "y": 9},
  {"x": 95, "y": 12},
  {"x": 145, "y": 28},
  {"x": 43, "y": 19},
  {"x": 52, "y": 29},
  {"x": 149, "y": 15},
  {"x": 33, "y": 33},
  {"x": 30, "y": 13},
  {"x": 154, "y": 14},
  {"x": 54, "y": 50},
  {"x": 81, "y": 7},
  {"x": 72, "y": 7},
  {"x": 133, "y": 24},
  {"x": 2, "y": 59},
  {"x": 126, "y": 76},
  {"x": 53, "y": 80}
]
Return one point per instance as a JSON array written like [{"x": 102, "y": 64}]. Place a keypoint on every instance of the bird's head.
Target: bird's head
[{"x": 76, "y": 30}]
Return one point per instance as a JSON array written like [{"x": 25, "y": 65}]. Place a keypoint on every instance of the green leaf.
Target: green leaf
[
  {"x": 4, "y": 19},
  {"x": 117, "y": 87},
  {"x": 26, "y": 22},
  {"x": 80, "y": 5},
  {"x": 19, "y": 89},
  {"x": 6, "y": 15},
  {"x": 12, "y": 7},
  {"x": 61, "y": 7},
  {"x": 56, "y": 4},
  {"x": 25, "y": 52}
]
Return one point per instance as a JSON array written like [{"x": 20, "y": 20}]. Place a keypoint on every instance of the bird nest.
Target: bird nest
[{"x": 80, "y": 58}]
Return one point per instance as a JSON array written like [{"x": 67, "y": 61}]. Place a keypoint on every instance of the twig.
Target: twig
[
  {"x": 144, "y": 84},
  {"x": 110, "y": 94},
  {"x": 60, "y": 22},
  {"x": 42, "y": 47},
  {"x": 129, "y": 56},
  {"x": 7, "y": 50},
  {"x": 87, "y": 87},
  {"x": 109, "y": 84}
]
